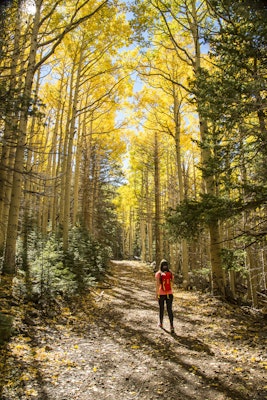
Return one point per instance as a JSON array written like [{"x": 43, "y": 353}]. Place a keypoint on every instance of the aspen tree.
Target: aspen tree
[
  {"x": 158, "y": 237},
  {"x": 177, "y": 103},
  {"x": 69, "y": 148},
  {"x": 81, "y": 126},
  {"x": 238, "y": 119},
  {"x": 32, "y": 66},
  {"x": 11, "y": 120},
  {"x": 149, "y": 211},
  {"x": 11, "y": 235},
  {"x": 194, "y": 59},
  {"x": 142, "y": 226}
]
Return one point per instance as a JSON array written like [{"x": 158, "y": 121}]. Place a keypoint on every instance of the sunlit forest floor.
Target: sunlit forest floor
[{"x": 108, "y": 346}]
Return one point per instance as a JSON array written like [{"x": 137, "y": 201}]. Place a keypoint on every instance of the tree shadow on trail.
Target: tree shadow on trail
[
  {"x": 191, "y": 343},
  {"x": 117, "y": 350},
  {"x": 174, "y": 353},
  {"x": 164, "y": 351},
  {"x": 132, "y": 312}
]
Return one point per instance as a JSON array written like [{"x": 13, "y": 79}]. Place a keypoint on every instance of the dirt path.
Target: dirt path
[{"x": 111, "y": 348}]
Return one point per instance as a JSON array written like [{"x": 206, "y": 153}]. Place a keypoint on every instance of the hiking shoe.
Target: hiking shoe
[
  {"x": 160, "y": 326},
  {"x": 172, "y": 329}
]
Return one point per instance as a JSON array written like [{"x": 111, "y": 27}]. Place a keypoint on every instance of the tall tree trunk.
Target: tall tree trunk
[
  {"x": 157, "y": 199},
  {"x": 10, "y": 136},
  {"x": 76, "y": 185},
  {"x": 190, "y": 9},
  {"x": 86, "y": 178},
  {"x": 252, "y": 278},
  {"x": 64, "y": 144},
  {"x": 149, "y": 213},
  {"x": 143, "y": 220},
  {"x": 95, "y": 191},
  {"x": 29, "y": 186},
  {"x": 47, "y": 188},
  {"x": 131, "y": 233},
  {"x": 143, "y": 237},
  {"x": 177, "y": 137},
  {"x": 217, "y": 275},
  {"x": 80, "y": 173},
  {"x": 218, "y": 279},
  {"x": 54, "y": 160},
  {"x": 68, "y": 176},
  {"x": 13, "y": 218},
  {"x": 57, "y": 169}
]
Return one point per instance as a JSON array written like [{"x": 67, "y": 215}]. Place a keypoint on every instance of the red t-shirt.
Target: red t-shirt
[{"x": 161, "y": 291}]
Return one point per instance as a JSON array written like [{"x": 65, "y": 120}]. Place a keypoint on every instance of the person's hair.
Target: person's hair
[{"x": 162, "y": 264}]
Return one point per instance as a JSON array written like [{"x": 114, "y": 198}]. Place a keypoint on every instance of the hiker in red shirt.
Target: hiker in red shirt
[{"x": 164, "y": 279}]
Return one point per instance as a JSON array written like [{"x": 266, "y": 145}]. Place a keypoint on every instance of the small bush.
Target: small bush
[{"x": 50, "y": 272}]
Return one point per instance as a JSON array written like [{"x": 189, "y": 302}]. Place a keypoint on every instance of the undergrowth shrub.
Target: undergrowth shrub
[{"x": 49, "y": 271}]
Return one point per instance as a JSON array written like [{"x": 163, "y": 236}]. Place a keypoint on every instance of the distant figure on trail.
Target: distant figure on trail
[{"x": 164, "y": 279}]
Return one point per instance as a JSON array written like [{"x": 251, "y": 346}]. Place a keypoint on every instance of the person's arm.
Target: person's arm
[{"x": 157, "y": 286}]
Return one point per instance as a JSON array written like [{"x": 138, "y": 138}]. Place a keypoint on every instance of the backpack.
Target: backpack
[{"x": 165, "y": 280}]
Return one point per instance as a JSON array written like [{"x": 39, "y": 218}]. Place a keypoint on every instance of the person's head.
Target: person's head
[{"x": 164, "y": 266}]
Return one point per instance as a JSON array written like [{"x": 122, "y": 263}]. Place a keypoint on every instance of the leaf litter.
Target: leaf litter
[{"x": 107, "y": 345}]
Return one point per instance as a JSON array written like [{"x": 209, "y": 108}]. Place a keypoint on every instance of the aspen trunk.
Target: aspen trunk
[
  {"x": 143, "y": 238},
  {"x": 131, "y": 233},
  {"x": 9, "y": 138},
  {"x": 47, "y": 186},
  {"x": 184, "y": 247},
  {"x": 56, "y": 169},
  {"x": 65, "y": 149},
  {"x": 157, "y": 199},
  {"x": 143, "y": 221},
  {"x": 68, "y": 176},
  {"x": 80, "y": 133},
  {"x": 53, "y": 166},
  {"x": 95, "y": 192},
  {"x": 80, "y": 172},
  {"x": 13, "y": 218},
  {"x": 30, "y": 187},
  {"x": 150, "y": 232}
]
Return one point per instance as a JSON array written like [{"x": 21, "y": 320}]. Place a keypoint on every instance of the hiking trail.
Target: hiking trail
[{"x": 108, "y": 346}]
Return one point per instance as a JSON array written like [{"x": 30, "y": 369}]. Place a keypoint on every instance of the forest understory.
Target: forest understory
[{"x": 107, "y": 345}]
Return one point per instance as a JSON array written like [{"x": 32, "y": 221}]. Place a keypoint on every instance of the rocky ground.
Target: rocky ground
[{"x": 108, "y": 346}]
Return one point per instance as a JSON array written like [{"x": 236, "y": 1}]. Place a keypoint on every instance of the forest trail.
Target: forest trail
[{"x": 109, "y": 347}]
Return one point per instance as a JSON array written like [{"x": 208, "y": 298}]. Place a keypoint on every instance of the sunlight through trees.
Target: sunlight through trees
[{"x": 176, "y": 88}]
